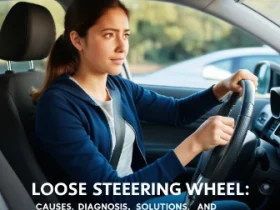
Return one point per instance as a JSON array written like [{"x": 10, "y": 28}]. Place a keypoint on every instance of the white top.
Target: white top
[{"x": 124, "y": 165}]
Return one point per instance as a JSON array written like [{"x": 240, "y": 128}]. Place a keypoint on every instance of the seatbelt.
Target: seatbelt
[{"x": 119, "y": 128}]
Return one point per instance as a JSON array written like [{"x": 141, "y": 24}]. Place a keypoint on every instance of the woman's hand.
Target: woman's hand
[
  {"x": 215, "y": 131},
  {"x": 232, "y": 83}
]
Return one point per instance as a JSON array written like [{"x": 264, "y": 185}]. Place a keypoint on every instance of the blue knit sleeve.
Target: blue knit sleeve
[{"x": 153, "y": 107}]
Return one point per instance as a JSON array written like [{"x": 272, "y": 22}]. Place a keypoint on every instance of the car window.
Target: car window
[
  {"x": 58, "y": 15},
  {"x": 250, "y": 62},
  {"x": 174, "y": 49}
]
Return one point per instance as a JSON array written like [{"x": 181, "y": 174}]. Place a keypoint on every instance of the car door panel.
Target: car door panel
[{"x": 159, "y": 139}]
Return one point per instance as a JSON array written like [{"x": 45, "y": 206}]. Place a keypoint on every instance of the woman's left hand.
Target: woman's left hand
[{"x": 232, "y": 83}]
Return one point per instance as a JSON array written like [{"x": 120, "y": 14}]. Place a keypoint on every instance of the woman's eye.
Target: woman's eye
[
  {"x": 126, "y": 36},
  {"x": 108, "y": 35}
]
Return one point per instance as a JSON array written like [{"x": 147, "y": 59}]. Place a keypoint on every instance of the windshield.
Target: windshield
[{"x": 269, "y": 8}]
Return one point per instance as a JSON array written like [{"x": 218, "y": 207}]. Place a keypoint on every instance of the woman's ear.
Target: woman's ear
[{"x": 76, "y": 40}]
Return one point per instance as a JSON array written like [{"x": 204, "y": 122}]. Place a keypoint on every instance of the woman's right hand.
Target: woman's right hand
[{"x": 215, "y": 131}]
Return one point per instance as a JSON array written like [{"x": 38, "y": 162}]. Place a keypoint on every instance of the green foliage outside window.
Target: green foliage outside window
[{"x": 167, "y": 33}]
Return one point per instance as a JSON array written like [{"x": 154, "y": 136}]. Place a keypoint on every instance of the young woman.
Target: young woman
[{"x": 75, "y": 128}]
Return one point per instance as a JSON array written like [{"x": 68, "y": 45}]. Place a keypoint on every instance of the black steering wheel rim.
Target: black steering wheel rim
[{"x": 215, "y": 164}]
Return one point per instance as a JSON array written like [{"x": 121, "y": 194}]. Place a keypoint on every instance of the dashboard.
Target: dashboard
[
  {"x": 265, "y": 159},
  {"x": 262, "y": 143},
  {"x": 267, "y": 127},
  {"x": 267, "y": 123}
]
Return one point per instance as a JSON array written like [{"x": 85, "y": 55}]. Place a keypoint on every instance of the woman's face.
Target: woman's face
[{"x": 106, "y": 45}]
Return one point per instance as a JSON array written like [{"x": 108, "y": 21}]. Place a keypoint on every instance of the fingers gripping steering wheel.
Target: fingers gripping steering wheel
[{"x": 215, "y": 164}]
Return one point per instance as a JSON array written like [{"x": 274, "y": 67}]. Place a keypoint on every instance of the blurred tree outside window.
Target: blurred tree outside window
[{"x": 171, "y": 44}]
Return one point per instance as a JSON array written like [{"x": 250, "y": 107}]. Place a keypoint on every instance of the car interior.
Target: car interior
[
  {"x": 32, "y": 36},
  {"x": 28, "y": 33}
]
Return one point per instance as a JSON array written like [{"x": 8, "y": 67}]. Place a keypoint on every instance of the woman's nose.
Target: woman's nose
[{"x": 121, "y": 44}]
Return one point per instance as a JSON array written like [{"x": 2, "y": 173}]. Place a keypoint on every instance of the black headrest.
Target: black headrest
[{"x": 28, "y": 33}]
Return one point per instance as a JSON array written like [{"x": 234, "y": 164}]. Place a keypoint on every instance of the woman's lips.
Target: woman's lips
[{"x": 118, "y": 61}]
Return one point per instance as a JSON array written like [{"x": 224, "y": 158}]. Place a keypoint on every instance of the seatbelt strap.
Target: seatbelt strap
[{"x": 119, "y": 128}]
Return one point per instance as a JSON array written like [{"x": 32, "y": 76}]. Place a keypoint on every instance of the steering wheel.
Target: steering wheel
[{"x": 215, "y": 164}]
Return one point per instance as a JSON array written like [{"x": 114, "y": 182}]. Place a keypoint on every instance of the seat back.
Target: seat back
[
  {"x": 13, "y": 195},
  {"x": 28, "y": 33}
]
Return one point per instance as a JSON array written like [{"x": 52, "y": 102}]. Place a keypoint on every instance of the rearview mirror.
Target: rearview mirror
[
  {"x": 214, "y": 73},
  {"x": 263, "y": 72}
]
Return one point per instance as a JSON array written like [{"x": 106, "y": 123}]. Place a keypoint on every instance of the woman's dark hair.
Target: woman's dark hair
[{"x": 64, "y": 57}]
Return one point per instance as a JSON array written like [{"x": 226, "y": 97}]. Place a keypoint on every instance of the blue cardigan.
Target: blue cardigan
[{"x": 73, "y": 133}]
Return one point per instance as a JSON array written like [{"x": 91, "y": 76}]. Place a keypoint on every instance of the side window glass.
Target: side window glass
[
  {"x": 171, "y": 45},
  {"x": 58, "y": 15},
  {"x": 251, "y": 61}
]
